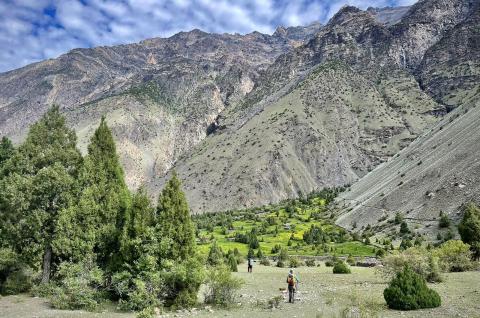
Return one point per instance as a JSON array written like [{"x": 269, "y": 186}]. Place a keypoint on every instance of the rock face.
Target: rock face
[
  {"x": 159, "y": 95},
  {"x": 439, "y": 171},
  {"x": 252, "y": 119}
]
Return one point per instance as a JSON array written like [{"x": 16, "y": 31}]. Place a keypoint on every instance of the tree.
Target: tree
[
  {"x": 444, "y": 220},
  {"x": 404, "y": 228},
  {"x": 232, "y": 262},
  {"x": 136, "y": 238},
  {"x": 6, "y": 150},
  {"x": 174, "y": 224},
  {"x": 469, "y": 228},
  {"x": 215, "y": 255},
  {"x": 409, "y": 291},
  {"x": 38, "y": 187},
  {"x": 104, "y": 188}
]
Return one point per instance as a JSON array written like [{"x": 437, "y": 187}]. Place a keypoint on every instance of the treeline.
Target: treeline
[{"x": 72, "y": 230}]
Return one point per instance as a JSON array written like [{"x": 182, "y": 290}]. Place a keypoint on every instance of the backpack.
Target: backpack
[{"x": 290, "y": 281}]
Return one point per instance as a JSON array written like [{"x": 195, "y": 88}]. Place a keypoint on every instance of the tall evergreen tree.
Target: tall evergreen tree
[
  {"x": 174, "y": 224},
  {"x": 104, "y": 188},
  {"x": 39, "y": 184},
  {"x": 136, "y": 238}
]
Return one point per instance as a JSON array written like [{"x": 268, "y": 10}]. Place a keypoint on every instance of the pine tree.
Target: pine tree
[
  {"x": 215, "y": 255},
  {"x": 469, "y": 228},
  {"x": 136, "y": 239},
  {"x": 174, "y": 224},
  {"x": 6, "y": 150},
  {"x": 104, "y": 187},
  {"x": 38, "y": 186},
  {"x": 232, "y": 262}
]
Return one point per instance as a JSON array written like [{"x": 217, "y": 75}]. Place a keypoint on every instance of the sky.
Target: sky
[{"x": 34, "y": 30}]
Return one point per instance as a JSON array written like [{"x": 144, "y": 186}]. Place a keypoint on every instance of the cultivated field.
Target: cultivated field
[{"x": 322, "y": 294}]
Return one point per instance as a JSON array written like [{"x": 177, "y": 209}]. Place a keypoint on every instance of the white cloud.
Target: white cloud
[{"x": 33, "y": 30}]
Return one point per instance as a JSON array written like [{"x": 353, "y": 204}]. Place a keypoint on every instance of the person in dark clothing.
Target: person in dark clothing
[
  {"x": 292, "y": 282},
  {"x": 250, "y": 265}
]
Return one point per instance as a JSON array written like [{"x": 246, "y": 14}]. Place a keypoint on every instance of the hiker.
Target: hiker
[
  {"x": 250, "y": 264},
  {"x": 292, "y": 282}
]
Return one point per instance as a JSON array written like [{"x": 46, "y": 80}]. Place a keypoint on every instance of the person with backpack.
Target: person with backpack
[
  {"x": 250, "y": 264},
  {"x": 292, "y": 283}
]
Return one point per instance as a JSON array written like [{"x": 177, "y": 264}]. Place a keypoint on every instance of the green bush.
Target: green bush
[
  {"x": 182, "y": 282},
  {"x": 78, "y": 286},
  {"x": 419, "y": 259},
  {"x": 14, "y": 277},
  {"x": 264, "y": 261},
  {"x": 351, "y": 260},
  {"x": 409, "y": 291},
  {"x": 19, "y": 281},
  {"x": 222, "y": 287},
  {"x": 454, "y": 256},
  {"x": 232, "y": 263},
  {"x": 294, "y": 262},
  {"x": 280, "y": 264},
  {"x": 310, "y": 262},
  {"x": 329, "y": 263},
  {"x": 341, "y": 268}
]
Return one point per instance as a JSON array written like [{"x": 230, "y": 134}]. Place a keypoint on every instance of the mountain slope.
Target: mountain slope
[
  {"x": 160, "y": 95},
  {"x": 440, "y": 171}
]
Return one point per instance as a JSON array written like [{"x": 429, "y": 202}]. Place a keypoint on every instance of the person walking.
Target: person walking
[
  {"x": 250, "y": 264},
  {"x": 292, "y": 283}
]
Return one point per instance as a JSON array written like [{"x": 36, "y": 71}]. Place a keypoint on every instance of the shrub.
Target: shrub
[
  {"x": 329, "y": 263},
  {"x": 310, "y": 262},
  {"x": 444, "y": 221},
  {"x": 417, "y": 258},
  {"x": 146, "y": 313},
  {"x": 351, "y": 260},
  {"x": 182, "y": 282},
  {"x": 280, "y": 263},
  {"x": 274, "y": 302},
  {"x": 215, "y": 255},
  {"x": 469, "y": 228},
  {"x": 454, "y": 256},
  {"x": 294, "y": 262},
  {"x": 283, "y": 255},
  {"x": 221, "y": 287},
  {"x": 232, "y": 263},
  {"x": 409, "y": 291},
  {"x": 380, "y": 253},
  {"x": 264, "y": 261},
  {"x": 14, "y": 277},
  {"x": 78, "y": 287},
  {"x": 19, "y": 281},
  {"x": 341, "y": 268}
]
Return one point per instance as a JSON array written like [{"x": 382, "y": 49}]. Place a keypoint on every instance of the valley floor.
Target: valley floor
[{"x": 322, "y": 294}]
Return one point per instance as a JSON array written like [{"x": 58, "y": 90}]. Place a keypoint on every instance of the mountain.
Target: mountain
[
  {"x": 159, "y": 95},
  {"x": 251, "y": 119},
  {"x": 440, "y": 171},
  {"x": 326, "y": 113}
]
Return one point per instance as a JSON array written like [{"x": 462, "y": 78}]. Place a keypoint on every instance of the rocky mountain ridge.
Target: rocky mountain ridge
[{"x": 253, "y": 119}]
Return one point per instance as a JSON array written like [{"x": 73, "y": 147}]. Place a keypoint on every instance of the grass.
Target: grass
[
  {"x": 279, "y": 224},
  {"x": 321, "y": 293}
]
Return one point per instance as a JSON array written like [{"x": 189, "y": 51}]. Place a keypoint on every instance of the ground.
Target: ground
[{"x": 321, "y": 293}]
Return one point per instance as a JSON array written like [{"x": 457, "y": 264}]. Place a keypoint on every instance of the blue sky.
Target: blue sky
[{"x": 34, "y": 30}]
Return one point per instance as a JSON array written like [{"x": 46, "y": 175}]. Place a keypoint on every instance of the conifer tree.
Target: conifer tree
[
  {"x": 174, "y": 224},
  {"x": 215, "y": 255},
  {"x": 104, "y": 188},
  {"x": 136, "y": 239},
  {"x": 39, "y": 185},
  {"x": 6, "y": 150}
]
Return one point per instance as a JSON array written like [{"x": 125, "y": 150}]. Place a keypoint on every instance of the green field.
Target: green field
[{"x": 276, "y": 225}]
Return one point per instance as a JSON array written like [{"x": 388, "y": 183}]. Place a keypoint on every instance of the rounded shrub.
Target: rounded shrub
[
  {"x": 341, "y": 268},
  {"x": 310, "y": 262},
  {"x": 409, "y": 291}
]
